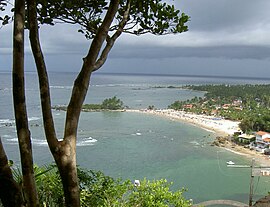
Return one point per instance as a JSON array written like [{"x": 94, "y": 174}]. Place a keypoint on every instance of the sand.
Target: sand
[
  {"x": 220, "y": 126},
  {"x": 210, "y": 123}
]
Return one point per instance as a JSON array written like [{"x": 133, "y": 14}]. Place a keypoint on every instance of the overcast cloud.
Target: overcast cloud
[{"x": 225, "y": 37}]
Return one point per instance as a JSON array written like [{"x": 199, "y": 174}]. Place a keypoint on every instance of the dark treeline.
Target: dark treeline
[
  {"x": 248, "y": 103},
  {"x": 108, "y": 104}
]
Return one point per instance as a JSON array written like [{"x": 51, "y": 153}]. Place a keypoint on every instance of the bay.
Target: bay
[{"x": 133, "y": 145}]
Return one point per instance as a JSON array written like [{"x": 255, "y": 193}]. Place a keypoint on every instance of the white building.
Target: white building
[{"x": 262, "y": 139}]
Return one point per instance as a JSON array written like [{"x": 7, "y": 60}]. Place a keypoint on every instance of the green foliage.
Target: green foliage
[
  {"x": 91, "y": 107},
  {"x": 177, "y": 105},
  {"x": 3, "y": 4},
  {"x": 155, "y": 16},
  {"x": 97, "y": 189},
  {"x": 100, "y": 190},
  {"x": 87, "y": 14},
  {"x": 48, "y": 183},
  {"x": 112, "y": 104},
  {"x": 246, "y": 103},
  {"x": 49, "y": 186},
  {"x": 6, "y": 18},
  {"x": 245, "y": 92},
  {"x": 151, "y": 107},
  {"x": 156, "y": 194},
  {"x": 108, "y": 104}
]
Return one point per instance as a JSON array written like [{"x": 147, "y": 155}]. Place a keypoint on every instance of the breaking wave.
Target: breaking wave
[
  {"x": 61, "y": 87},
  {"x": 33, "y": 118},
  {"x": 86, "y": 142},
  {"x": 42, "y": 142},
  {"x": 7, "y": 122}
]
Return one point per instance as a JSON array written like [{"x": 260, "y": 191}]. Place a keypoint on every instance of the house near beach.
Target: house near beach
[
  {"x": 262, "y": 139},
  {"x": 188, "y": 106},
  {"x": 226, "y": 106},
  {"x": 246, "y": 138}
]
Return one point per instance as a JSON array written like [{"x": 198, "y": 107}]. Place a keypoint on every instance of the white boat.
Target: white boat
[
  {"x": 230, "y": 163},
  {"x": 137, "y": 183}
]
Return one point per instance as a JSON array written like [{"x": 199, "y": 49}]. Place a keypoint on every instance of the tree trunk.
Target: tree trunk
[
  {"x": 65, "y": 159},
  {"x": 65, "y": 155},
  {"x": 23, "y": 132},
  {"x": 10, "y": 192},
  {"x": 64, "y": 152}
]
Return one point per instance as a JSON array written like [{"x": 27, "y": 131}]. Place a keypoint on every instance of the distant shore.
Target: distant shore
[{"x": 219, "y": 126}]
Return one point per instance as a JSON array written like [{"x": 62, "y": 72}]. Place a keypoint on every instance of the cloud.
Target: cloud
[
  {"x": 237, "y": 30},
  {"x": 212, "y": 15},
  {"x": 160, "y": 52},
  {"x": 213, "y": 24},
  {"x": 224, "y": 29}
]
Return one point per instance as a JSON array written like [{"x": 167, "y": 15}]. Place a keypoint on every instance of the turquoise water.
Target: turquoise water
[{"x": 134, "y": 145}]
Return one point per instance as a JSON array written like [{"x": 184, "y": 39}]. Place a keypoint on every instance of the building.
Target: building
[
  {"x": 246, "y": 138},
  {"x": 262, "y": 139},
  {"x": 188, "y": 106}
]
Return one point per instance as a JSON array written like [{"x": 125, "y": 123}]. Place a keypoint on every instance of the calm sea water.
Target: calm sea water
[{"x": 132, "y": 145}]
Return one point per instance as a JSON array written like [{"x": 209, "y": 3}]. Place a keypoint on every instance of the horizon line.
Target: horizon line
[{"x": 160, "y": 74}]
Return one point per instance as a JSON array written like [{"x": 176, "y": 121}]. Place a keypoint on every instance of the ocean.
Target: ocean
[{"x": 133, "y": 145}]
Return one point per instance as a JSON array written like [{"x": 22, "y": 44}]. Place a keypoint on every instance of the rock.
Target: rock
[
  {"x": 215, "y": 143},
  {"x": 220, "y": 141},
  {"x": 263, "y": 202}
]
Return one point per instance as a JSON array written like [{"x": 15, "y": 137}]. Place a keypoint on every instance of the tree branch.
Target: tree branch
[
  {"x": 42, "y": 75},
  {"x": 81, "y": 83},
  {"x": 111, "y": 41}
]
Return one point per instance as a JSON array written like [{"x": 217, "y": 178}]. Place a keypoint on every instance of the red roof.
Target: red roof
[
  {"x": 266, "y": 139},
  {"x": 261, "y": 133}
]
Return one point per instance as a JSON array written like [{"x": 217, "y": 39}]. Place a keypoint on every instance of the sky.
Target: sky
[{"x": 225, "y": 38}]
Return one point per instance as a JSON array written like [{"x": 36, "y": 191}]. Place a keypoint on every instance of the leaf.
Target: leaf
[{"x": 81, "y": 31}]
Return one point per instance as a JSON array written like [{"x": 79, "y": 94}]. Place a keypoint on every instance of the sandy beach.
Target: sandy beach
[{"x": 220, "y": 126}]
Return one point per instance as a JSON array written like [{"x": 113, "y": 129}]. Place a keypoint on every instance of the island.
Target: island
[{"x": 109, "y": 104}]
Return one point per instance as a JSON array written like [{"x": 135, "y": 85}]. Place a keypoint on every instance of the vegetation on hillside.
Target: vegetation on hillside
[
  {"x": 97, "y": 189},
  {"x": 108, "y": 104},
  {"x": 248, "y": 104}
]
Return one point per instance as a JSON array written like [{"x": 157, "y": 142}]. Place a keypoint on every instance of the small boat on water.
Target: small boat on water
[{"x": 230, "y": 163}]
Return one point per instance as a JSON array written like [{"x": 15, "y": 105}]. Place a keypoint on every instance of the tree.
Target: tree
[
  {"x": 102, "y": 22},
  {"x": 98, "y": 189},
  {"x": 4, "y": 19},
  {"x": 112, "y": 104},
  {"x": 21, "y": 118},
  {"x": 10, "y": 191}
]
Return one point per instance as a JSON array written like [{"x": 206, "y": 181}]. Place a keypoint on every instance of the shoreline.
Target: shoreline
[
  {"x": 219, "y": 126},
  {"x": 212, "y": 124}
]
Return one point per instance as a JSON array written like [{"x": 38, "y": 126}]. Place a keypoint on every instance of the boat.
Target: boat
[
  {"x": 137, "y": 183},
  {"x": 230, "y": 163}
]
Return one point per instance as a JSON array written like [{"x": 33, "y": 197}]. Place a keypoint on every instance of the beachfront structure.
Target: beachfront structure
[
  {"x": 262, "y": 139},
  {"x": 188, "y": 106},
  {"x": 246, "y": 138}
]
